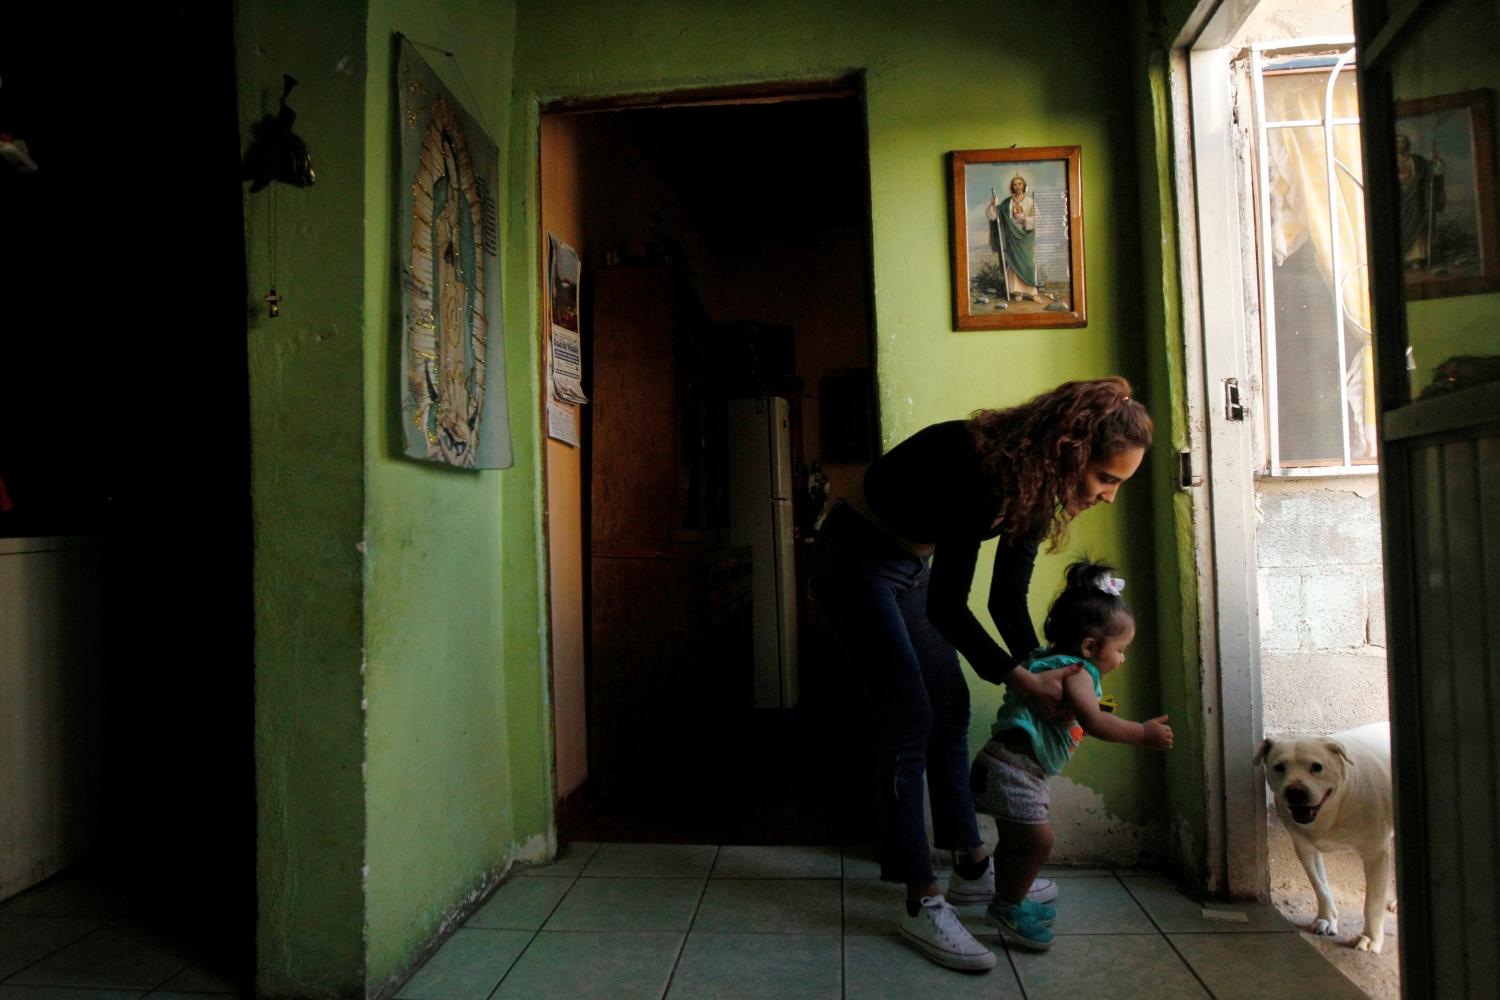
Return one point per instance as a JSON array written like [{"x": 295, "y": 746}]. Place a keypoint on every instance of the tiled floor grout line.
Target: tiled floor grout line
[
  {"x": 1165, "y": 937},
  {"x": 696, "y": 909},
  {"x": 1015, "y": 970},
  {"x": 843, "y": 927},
  {"x": 511, "y": 967},
  {"x": 54, "y": 951},
  {"x": 534, "y": 934},
  {"x": 174, "y": 975}
]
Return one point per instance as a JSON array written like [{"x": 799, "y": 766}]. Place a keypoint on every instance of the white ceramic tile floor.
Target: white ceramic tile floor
[{"x": 700, "y": 922}]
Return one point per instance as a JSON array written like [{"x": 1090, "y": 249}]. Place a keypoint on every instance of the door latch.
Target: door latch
[
  {"x": 1186, "y": 477},
  {"x": 1233, "y": 408}
]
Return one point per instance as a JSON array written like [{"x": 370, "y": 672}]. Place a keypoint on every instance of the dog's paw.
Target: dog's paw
[
  {"x": 1365, "y": 943},
  {"x": 1325, "y": 926}
]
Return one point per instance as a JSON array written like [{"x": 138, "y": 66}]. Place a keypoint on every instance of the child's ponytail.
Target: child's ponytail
[{"x": 1089, "y": 606}]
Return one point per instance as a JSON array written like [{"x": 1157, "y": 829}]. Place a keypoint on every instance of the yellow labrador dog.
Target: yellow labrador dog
[{"x": 1334, "y": 793}]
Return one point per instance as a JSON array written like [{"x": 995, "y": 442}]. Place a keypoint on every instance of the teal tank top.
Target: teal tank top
[{"x": 1053, "y": 744}]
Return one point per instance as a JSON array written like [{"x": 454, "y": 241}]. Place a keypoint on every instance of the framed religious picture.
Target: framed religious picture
[
  {"x": 1445, "y": 178},
  {"x": 453, "y": 403},
  {"x": 1018, "y": 238}
]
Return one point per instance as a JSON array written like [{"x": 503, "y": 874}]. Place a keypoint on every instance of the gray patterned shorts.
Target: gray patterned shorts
[{"x": 1009, "y": 786}]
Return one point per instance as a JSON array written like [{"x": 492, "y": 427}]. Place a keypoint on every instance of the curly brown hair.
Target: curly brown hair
[{"x": 1036, "y": 454}]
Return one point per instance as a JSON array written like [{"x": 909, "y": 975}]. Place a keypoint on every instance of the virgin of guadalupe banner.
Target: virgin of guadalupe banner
[{"x": 453, "y": 405}]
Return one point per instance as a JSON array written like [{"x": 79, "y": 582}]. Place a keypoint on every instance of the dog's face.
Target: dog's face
[{"x": 1303, "y": 773}]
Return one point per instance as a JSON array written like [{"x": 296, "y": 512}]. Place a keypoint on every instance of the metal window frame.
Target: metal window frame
[{"x": 1259, "y": 54}]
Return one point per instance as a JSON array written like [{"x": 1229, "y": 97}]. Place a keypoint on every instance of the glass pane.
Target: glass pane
[
  {"x": 1444, "y": 79},
  {"x": 1319, "y": 328},
  {"x": 1300, "y": 95}
]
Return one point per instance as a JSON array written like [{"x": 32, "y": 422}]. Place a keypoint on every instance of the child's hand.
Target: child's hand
[{"x": 1156, "y": 733}]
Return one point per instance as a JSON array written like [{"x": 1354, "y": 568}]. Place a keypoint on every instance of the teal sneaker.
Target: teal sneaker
[
  {"x": 1045, "y": 913},
  {"x": 1020, "y": 925}
]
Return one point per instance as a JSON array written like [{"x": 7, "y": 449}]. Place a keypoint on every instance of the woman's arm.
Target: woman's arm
[
  {"x": 1010, "y": 581},
  {"x": 948, "y": 609},
  {"x": 1154, "y": 733}
]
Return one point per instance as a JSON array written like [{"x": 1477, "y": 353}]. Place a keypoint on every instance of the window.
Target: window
[{"x": 1315, "y": 315}]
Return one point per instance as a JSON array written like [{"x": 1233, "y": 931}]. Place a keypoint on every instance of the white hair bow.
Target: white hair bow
[{"x": 1111, "y": 585}]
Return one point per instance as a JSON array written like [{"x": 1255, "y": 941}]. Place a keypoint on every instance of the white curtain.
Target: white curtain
[{"x": 1299, "y": 198}]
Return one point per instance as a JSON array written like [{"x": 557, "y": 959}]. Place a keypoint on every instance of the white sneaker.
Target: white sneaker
[
  {"x": 936, "y": 930},
  {"x": 980, "y": 891},
  {"x": 1043, "y": 890},
  {"x": 973, "y": 891}
]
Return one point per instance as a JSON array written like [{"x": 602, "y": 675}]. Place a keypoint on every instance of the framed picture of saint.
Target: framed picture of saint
[
  {"x": 1017, "y": 219},
  {"x": 1445, "y": 177}
]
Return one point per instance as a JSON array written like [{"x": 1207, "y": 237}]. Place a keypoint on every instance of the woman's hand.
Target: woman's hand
[{"x": 1043, "y": 693}]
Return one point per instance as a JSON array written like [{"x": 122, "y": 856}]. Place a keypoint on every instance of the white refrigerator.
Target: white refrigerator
[{"x": 760, "y": 516}]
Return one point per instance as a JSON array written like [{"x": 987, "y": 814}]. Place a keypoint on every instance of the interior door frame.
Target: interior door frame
[{"x": 850, "y": 86}]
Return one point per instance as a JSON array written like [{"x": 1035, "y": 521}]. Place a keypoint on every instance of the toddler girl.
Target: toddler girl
[{"x": 1091, "y": 624}]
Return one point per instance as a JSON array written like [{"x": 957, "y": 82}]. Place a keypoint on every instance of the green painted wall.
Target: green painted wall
[
  {"x": 308, "y": 442},
  {"x": 939, "y": 76},
  {"x": 1172, "y": 515},
  {"x": 401, "y": 732},
  {"x": 402, "y": 726},
  {"x": 456, "y": 738}
]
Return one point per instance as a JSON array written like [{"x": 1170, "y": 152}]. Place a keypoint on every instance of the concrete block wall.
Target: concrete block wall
[{"x": 1322, "y": 603}]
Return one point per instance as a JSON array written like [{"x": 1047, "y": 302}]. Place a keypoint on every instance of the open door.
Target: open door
[
  {"x": 1277, "y": 345},
  {"x": 1428, "y": 80}
]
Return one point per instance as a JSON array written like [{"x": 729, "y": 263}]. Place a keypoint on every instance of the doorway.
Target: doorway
[
  {"x": 126, "y": 654},
  {"x": 725, "y": 306},
  {"x": 1290, "y": 544}
]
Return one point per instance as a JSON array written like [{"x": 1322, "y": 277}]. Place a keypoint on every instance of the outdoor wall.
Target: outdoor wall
[
  {"x": 938, "y": 77},
  {"x": 458, "y": 778},
  {"x": 1322, "y": 604}
]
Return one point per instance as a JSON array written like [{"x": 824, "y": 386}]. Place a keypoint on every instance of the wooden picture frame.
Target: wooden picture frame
[
  {"x": 1447, "y": 237},
  {"x": 1017, "y": 222}
]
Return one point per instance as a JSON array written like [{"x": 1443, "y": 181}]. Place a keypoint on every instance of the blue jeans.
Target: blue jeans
[{"x": 875, "y": 596}]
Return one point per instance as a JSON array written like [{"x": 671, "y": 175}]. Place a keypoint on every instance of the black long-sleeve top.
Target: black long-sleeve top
[{"x": 930, "y": 488}]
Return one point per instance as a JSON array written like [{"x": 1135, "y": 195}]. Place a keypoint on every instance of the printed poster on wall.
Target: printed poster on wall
[
  {"x": 453, "y": 405},
  {"x": 566, "y": 352}
]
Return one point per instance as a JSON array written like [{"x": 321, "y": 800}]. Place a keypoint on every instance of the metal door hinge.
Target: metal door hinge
[{"x": 1233, "y": 408}]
